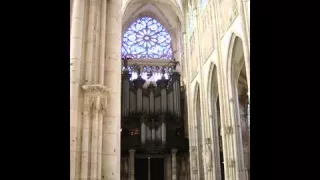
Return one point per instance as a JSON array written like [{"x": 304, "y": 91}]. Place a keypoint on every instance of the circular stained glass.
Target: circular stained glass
[{"x": 146, "y": 38}]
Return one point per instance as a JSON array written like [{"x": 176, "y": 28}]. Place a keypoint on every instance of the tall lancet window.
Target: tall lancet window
[{"x": 146, "y": 38}]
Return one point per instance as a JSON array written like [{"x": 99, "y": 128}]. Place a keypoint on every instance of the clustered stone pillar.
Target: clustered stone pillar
[
  {"x": 174, "y": 163},
  {"x": 102, "y": 40},
  {"x": 112, "y": 79},
  {"x": 90, "y": 42},
  {"x": 131, "y": 164},
  {"x": 95, "y": 102},
  {"x": 76, "y": 34}
]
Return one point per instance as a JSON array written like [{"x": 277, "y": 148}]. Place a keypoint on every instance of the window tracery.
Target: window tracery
[{"x": 146, "y": 38}]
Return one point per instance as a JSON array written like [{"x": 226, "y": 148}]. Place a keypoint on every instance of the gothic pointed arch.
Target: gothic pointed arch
[
  {"x": 199, "y": 130},
  {"x": 239, "y": 107},
  {"x": 215, "y": 118}
]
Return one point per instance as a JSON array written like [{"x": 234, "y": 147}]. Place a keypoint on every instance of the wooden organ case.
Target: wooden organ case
[{"x": 152, "y": 111}]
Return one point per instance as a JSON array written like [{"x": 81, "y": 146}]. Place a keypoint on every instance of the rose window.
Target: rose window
[{"x": 146, "y": 38}]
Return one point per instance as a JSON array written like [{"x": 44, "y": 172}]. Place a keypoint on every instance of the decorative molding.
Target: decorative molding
[
  {"x": 96, "y": 96},
  {"x": 100, "y": 89}
]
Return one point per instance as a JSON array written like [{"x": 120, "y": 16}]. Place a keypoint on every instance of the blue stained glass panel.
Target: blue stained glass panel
[{"x": 146, "y": 38}]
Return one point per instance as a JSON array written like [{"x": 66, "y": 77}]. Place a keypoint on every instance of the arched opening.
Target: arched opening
[
  {"x": 221, "y": 159},
  {"x": 242, "y": 105},
  {"x": 153, "y": 140},
  {"x": 216, "y": 125},
  {"x": 199, "y": 133}
]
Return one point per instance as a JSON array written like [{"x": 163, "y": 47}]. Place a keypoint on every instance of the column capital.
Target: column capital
[
  {"x": 174, "y": 151},
  {"x": 96, "y": 96},
  {"x": 96, "y": 89}
]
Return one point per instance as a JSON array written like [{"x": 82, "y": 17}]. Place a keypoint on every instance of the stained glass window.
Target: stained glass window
[
  {"x": 203, "y": 4},
  {"x": 146, "y": 38}
]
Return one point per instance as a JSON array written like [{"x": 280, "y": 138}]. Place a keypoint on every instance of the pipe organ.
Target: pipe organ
[{"x": 152, "y": 118}]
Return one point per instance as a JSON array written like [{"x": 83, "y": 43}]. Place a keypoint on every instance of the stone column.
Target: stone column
[
  {"x": 112, "y": 79},
  {"x": 85, "y": 137},
  {"x": 96, "y": 42},
  {"x": 94, "y": 108},
  {"x": 77, "y": 18},
  {"x": 94, "y": 139},
  {"x": 174, "y": 163},
  {"x": 100, "y": 136},
  {"x": 102, "y": 40},
  {"x": 131, "y": 164},
  {"x": 90, "y": 43},
  {"x": 223, "y": 95},
  {"x": 246, "y": 39}
]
